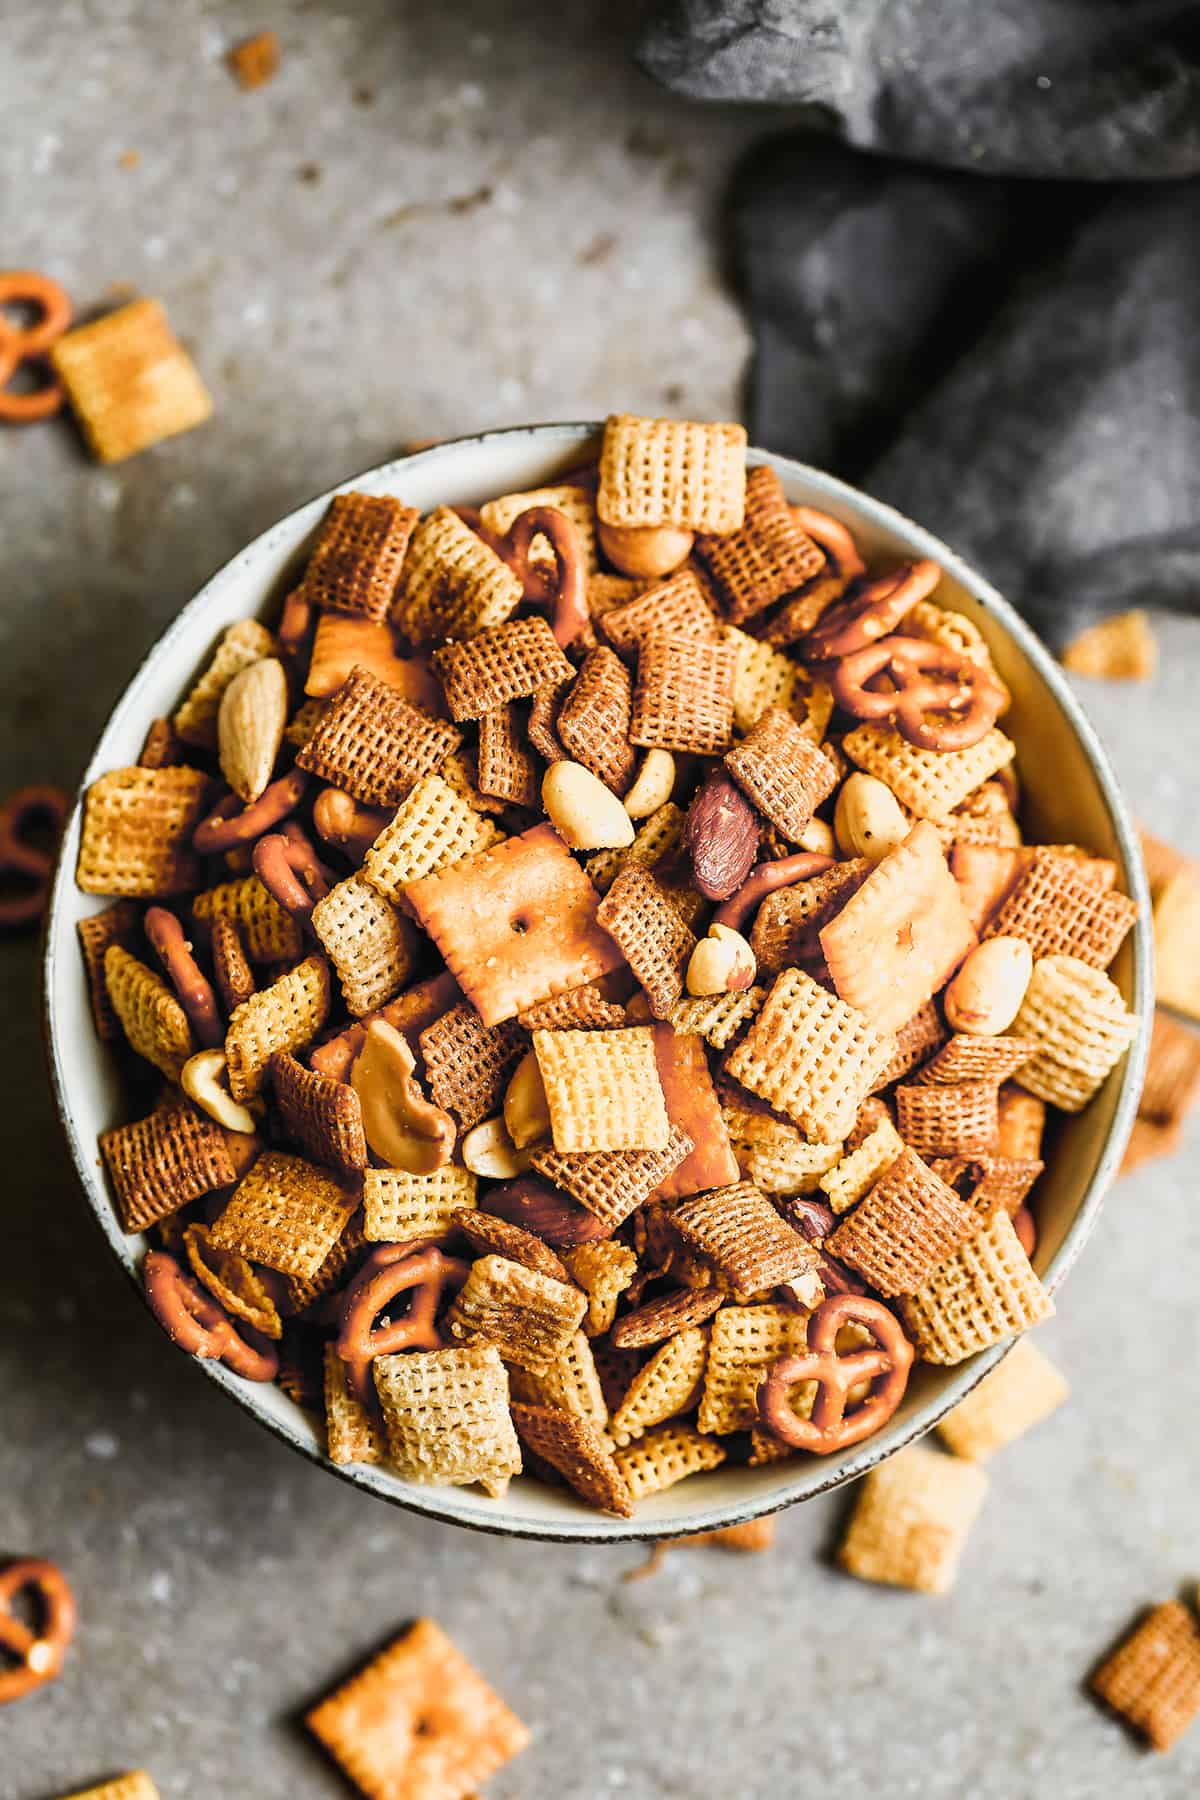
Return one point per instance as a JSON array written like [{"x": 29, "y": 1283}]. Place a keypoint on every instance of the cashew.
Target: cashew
[
  {"x": 817, "y": 836},
  {"x": 403, "y": 1128},
  {"x": 204, "y": 1079},
  {"x": 868, "y": 820},
  {"x": 586, "y": 814},
  {"x": 645, "y": 550},
  {"x": 652, "y": 784},
  {"x": 526, "y": 1109},
  {"x": 722, "y": 963},
  {"x": 985, "y": 996},
  {"x": 488, "y": 1150}
]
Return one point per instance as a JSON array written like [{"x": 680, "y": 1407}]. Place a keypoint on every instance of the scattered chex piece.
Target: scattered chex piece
[
  {"x": 1121, "y": 648},
  {"x": 136, "y": 839},
  {"x": 1153, "y": 1679},
  {"x": 418, "y": 1723},
  {"x": 137, "y": 1786},
  {"x": 1025, "y": 1389},
  {"x": 911, "y": 1522},
  {"x": 130, "y": 381},
  {"x": 285, "y": 1213},
  {"x": 446, "y": 1416}
]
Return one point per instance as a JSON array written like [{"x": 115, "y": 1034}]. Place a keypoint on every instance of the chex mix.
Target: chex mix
[{"x": 584, "y": 991}]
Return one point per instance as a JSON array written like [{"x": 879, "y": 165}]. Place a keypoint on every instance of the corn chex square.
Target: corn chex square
[
  {"x": 516, "y": 923},
  {"x": 418, "y": 1723},
  {"x": 672, "y": 472},
  {"x": 285, "y": 1213},
  {"x": 136, "y": 840},
  {"x": 351, "y": 1434},
  {"x": 285, "y": 1016},
  {"x": 195, "y": 720},
  {"x": 811, "y": 1056},
  {"x": 267, "y": 932},
  {"x": 575, "y": 503},
  {"x": 603, "y": 1089},
  {"x": 530, "y": 1318},
  {"x": 570, "y": 1384},
  {"x": 399, "y": 1207},
  {"x": 911, "y": 1522},
  {"x": 930, "y": 783},
  {"x": 1025, "y": 1389},
  {"x": 453, "y": 584},
  {"x": 130, "y": 381},
  {"x": 1081, "y": 1029},
  {"x": 370, "y": 943},
  {"x": 665, "y": 1387},
  {"x": 432, "y": 828},
  {"x": 982, "y": 1294},
  {"x": 136, "y": 1786},
  {"x": 665, "y": 1455},
  {"x": 743, "y": 1343},
  {"x": 446, "y": 1416},
  {"x": 155, "y": 1025}
]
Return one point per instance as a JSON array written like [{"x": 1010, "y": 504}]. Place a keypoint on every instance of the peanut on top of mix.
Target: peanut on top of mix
[{"x": 586, "y": 996}]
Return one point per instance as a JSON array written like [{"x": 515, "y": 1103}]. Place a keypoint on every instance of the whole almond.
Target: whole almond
[
  {"x": 547, "y": 1212},
  {"x": 250, "y": 726},
  {"x": 721, "y": 834}
]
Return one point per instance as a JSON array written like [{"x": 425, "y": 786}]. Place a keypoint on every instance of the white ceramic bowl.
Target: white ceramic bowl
[{"x": 1070, "y": 796}]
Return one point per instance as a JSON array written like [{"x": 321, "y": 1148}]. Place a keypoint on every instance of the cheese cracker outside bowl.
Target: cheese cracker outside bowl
[{"x": 1070, "y": 795}]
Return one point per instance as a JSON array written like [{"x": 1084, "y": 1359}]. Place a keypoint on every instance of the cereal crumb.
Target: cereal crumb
[
  {"x": 255, "y": 61},
  {"x": 129, "y": 159}
]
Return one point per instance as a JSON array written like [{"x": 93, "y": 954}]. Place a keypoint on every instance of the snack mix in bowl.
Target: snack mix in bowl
[{"x": 584, "y": 991}]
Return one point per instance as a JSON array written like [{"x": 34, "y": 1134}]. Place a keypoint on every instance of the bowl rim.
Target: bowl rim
[{"x": 439, "y": 1503}]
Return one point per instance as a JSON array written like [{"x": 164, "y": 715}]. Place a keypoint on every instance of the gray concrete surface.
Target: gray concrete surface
[{"x": 438, "y": 219}]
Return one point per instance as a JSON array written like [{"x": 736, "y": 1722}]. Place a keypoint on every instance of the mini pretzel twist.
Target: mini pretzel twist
[
  {"x": 192, "y": 1319},
  {"x": 937, "y": 698},
  {"x": 566, "y": 590},
  {"x": 39, "y": 1654},
  {"x": 832, "y": 1426},
  {"x": 232, "y": 823},
  {"x": 290, "y": 870},
  {"x": 833, "y": 537},
  {"x": 22, "y": 865},
  {"x": 871, "y": 612},
  {"x": 389, "y": 1271},
  {"x": 172, "y": 946},
  {"x": 763, "y": 879},
  {"x": 29, "y": 344}
]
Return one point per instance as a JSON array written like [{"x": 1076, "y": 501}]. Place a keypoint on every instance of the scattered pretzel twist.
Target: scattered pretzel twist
[
  {"x": 290, "y": 870},
  {"x": 23, "y": 866},
  {"x": 936, "y": 697},
  {"x": 192, "y": 1319},
  {"x": 831, "y": 1426},
  {"x": 29, "y": 344},
  {"x": 232, "y": 823},
  {"x": 39, "y": 1654},
  {"x": 389, "y": 1271},
  {"x": 170, "y": 944},
  {"x": 566, "y": 590}
]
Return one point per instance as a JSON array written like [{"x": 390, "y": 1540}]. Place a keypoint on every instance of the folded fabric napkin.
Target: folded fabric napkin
[{"x": 982, "y": 311}]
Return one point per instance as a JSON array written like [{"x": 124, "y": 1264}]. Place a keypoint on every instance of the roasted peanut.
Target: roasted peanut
[
  {"x": 648, "y": 552},
  {"x": 526, "y": 1109},
  {"x": 653, "y": 784},
  {"x": 985, "y": 996},
  {"x": 868, "y": 820},
  {"x": 585, "y": 814},
  {"x": 722, "y": 963},
  {"x": 402, "y": 1127},
  {"x": 488, "y": 1150}
]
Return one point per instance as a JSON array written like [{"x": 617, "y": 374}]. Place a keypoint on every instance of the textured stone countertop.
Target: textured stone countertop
[{"x": 435, "y": 220}]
